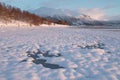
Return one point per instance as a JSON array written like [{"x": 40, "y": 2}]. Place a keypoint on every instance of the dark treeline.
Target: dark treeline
[{"x": 9, "y": 13}]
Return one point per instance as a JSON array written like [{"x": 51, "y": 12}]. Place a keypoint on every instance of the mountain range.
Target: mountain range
[
  {"x": 49, "y": 16},
  {"x": 71, "y": 17}
]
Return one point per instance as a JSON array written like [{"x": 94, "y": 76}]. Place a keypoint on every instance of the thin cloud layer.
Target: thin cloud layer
[{"x": 94, "y": 13}]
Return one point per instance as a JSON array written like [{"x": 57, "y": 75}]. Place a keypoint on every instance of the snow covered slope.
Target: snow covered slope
[
  {"x": 13, "y": 23},
  {"x": 34, "y": 53}
]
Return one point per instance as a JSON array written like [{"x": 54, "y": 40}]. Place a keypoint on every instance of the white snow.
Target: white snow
[
  {"x": 13, "y": 23},
  {"x": 83, "y": 54}
]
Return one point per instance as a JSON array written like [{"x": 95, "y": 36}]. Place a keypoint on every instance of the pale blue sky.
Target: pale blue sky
[{"x": 109, "y": 7}]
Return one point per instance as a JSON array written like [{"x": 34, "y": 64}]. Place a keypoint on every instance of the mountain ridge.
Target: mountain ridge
[
  {"x": 71, "y": 17},
  {"x": 68, "y": 16}
]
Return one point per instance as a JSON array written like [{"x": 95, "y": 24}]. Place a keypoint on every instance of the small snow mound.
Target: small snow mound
[
  {"x": 98, "y": 51},
  {"x": 71, "y": 64}
]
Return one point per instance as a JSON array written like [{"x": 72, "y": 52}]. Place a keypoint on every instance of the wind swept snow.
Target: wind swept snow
[{"x": 59, "y": 53}]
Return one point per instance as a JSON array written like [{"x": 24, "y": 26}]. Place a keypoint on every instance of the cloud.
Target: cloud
[
  {"x": 116, "y": 17},
  {"x": 95, "y": 13},
  {"x": 110, "y": 7}
]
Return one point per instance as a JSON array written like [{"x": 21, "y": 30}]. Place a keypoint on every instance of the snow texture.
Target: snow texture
[{"x": 59, "y": 53}]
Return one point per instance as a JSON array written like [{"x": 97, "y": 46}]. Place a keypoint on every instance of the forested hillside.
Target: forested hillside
[{"x": 9, "y": 13}]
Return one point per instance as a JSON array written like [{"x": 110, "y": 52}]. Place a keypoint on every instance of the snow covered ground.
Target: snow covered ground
[
  {"x": 13, "y": 23},
  {"x": 59, "y": 53}
]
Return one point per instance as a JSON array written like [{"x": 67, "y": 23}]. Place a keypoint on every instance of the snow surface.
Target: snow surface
[
  {"x": 13, "y": 23},
  {"x": 59, "y": 53}
]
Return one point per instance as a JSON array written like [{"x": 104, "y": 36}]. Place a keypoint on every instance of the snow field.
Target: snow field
[{"x": 59, "y": 53}]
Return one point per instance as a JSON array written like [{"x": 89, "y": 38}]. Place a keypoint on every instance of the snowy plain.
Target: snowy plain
[{"x": 59, "y": 53}]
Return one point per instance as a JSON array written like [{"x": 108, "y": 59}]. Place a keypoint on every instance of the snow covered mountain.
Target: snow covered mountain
[{"x": 69, "y": 16}]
